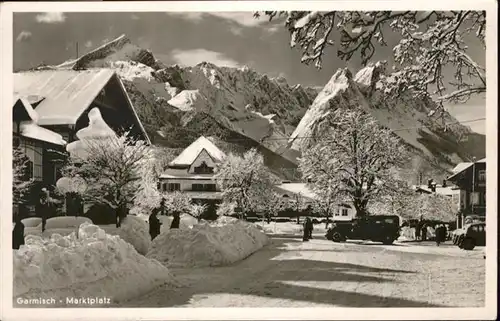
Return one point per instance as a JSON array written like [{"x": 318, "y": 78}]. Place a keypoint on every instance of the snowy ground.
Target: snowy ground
[{"x": 291, "y": 273}]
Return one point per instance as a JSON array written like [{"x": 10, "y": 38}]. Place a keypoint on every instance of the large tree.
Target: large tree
[
  {"x": 112, "y": 169},
  {"x": 245, "y": 181},
  {"x": 429, "y": 43},
  {"x": 354, "y": 159}
]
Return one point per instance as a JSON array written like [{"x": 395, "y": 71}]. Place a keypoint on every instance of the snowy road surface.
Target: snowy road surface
[{"x": 320, "y": 273}]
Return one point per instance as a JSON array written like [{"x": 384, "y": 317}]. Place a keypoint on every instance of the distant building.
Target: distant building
[
  {"x": 342, "y": 212},
  {"x": 192, "y": 173},
  {"x": 470, "y": 178}
]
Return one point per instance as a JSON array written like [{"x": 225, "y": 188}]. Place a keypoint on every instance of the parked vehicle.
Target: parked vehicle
[
  {"x": 378, "y": 228},
  {"x": 474, "y": 235}
]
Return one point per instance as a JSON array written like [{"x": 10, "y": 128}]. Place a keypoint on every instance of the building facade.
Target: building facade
[
  {"x": 192, "y": 172},
  {"x": 471, "y": 181},
  {"x": 51, "y": 106}
]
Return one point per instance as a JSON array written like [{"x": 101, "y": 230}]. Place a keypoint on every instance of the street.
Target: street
[{"x": 320, "y": 273}]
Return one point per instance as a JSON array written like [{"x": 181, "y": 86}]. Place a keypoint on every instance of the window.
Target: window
[
  {"x": 171, "y": 187},
  {"x": 481, "y": 176},
  {"x": 345, "y": 212},
  {"x": 204, "y": 187},
  {"x": 204, "y": 169},
  {"x": 474, "y": 198},
  {"x": 35, "y": 154},
  {"x": 337, "y": 212}
]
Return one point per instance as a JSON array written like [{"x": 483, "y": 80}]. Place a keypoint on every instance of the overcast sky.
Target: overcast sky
[{"x": 228, "y": 39}]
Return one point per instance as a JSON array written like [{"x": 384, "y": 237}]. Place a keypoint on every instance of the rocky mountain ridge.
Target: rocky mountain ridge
[{"x": 246, "y": 109}]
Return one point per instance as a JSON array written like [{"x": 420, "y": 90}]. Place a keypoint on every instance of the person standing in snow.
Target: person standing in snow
[
  {"x": 163, "y": 207},
  {"x": 310, "y": 227},
  {"x": 42, "y": 207},
  {"x": 176, "y": 221},
  {"x": 18, "y": 233},
  {"x": 305, "y": 236},
  {"x": 154, "y": 224},
  {"x": 424, "y": 232}
]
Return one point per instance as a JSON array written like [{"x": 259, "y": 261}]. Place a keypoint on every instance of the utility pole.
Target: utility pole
[
  {"x": 77, "y": 50},
  {"x": 473, "y": 183}
]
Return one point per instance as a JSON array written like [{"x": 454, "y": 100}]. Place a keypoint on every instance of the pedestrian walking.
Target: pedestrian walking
[
  {"x": 418, "y": 229},
  {"x": 310, "y": 227},
  {"x": 424, "y": 232},
  {"x": 305, "y": 231},
  {"x": 42, "y": 207},
  {"x": 439, "y": 234},
  {"x": 18, "y": 233},
  {"x": 154, "y": 224},
  {"x": 176, "y": 221}
]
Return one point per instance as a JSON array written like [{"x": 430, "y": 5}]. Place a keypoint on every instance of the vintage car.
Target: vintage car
[
  {"x": 377, "y": 228},
  {"x": 474, "y": 235}
]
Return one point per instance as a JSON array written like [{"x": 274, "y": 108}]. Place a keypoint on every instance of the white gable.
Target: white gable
[
  {"x": 203, "y": 157},
  {"x": 190, "y": 154}
]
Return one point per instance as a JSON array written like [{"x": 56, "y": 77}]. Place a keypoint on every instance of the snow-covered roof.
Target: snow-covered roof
[
  {"x": 189, "y": 155},
  {"x": 32, "y": 130},
  {"x": 297, "y": 188},
  {"x": 27, "y": 106},
  {"x": 67, "y": 93},
  {"x": 463, "y": 166},
  {"x": 448, "y": 190}
]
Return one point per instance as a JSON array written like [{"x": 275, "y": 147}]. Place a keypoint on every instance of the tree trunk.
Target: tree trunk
[
  {"x": 298, "y": 218},
  {"x": 327, "y": 221},
  {"x": 360, "y": 207}
]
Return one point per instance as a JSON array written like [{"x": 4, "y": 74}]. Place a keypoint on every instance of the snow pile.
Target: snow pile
[
  {"x": 222, "y": 242},
  {"x": 97, "y": 129},
  {"x": 66, "y": 222},
  {"x": 31, "y": 221},
  {"x": 92, "y": 264},
  {"x": 133, "y": 230},
  {"x": 280, "y": 227}
]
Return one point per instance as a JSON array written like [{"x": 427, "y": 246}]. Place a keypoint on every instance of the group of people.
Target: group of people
[
  {"x": 307, "y": 229},
  {"x": 440, "y": 230},
  {"x": 154, "y": 222}
]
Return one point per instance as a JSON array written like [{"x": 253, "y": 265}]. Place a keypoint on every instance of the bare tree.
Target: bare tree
[
  {"x": 429, "y": 42},
  {"x": 353, "y": 159},
  {"x": 197, "y": 210}
]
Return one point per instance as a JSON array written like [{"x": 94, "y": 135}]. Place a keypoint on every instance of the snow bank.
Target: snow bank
[
  {"x": 134, "y": 230},
  {"x": 66, "y": 222},
  {"x": 90, "y": 264},
  {"x": 31, "y": 221},
  {"x": 222, "y": 242}
]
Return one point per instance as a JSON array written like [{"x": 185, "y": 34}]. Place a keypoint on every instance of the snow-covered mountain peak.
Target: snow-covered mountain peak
[{"x": 367, "y": 77}]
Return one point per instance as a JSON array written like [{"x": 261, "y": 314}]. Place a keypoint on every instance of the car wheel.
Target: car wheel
[
  {"x": 468, "y": 244},
  {"x": 336, "y": 237},
  {"x": 388, "y": 241}
]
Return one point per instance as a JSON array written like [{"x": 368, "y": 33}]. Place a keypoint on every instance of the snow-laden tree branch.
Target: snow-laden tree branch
[
  {"x": 353, "y": 161},
  {"x": 430, "y": 42},
  {"x": 112, "y": 169},
  {"x": 245, "y": 181}
]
